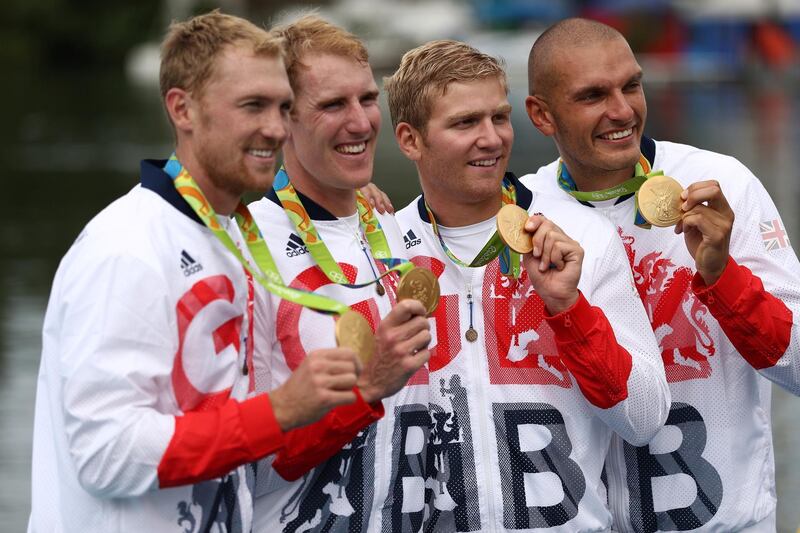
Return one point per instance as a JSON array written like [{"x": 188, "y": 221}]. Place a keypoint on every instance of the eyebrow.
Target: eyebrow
[{"x": 503, "y": 109}]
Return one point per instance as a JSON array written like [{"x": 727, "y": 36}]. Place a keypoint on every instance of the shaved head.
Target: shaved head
[{"x": 568, "y": 33}]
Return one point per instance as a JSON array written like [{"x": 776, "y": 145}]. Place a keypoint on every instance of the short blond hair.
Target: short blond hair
[
  {"x": 427, "y": 70},
  {"x": 312, "y": 34},
  {"x": 190, "y": 48}
]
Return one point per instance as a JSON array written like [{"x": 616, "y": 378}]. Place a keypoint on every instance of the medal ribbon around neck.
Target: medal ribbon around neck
[
  {"x": 267, "y": 272},
  {"x": 509, "y": 260},
  {"x": 642, "y": 172},
  {"x": 367, "y": 220}
]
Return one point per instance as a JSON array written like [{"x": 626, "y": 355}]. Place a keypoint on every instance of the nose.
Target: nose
[
  {"x": 619, "y": 108},
  {"x": 357, "y": 119},
  {"x": 275, "y": 127},
  {"x": 488, "y": 137}
]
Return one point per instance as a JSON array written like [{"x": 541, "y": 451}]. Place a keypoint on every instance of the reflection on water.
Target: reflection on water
[{"x": 69, "y": 146}]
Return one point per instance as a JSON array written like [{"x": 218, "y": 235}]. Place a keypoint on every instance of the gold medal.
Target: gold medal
[
  {"x": 353, "y": 331},
  {"x": 659, "y": 201},
  {"x": 511, "y": 228},
  {"x": 420, "y": 284},
  {"x": 471, "y": 335}
]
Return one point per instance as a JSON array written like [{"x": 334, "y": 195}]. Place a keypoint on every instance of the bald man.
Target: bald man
[{"x": 721, "y": 295}]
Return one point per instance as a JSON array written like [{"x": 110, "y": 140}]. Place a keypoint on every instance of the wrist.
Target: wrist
[
  {"x": 368, "y": 393},
  {"x": 556, "y": 306},
  {"x": 711, "y": 277},
  {"x": 282, "y": 413}
]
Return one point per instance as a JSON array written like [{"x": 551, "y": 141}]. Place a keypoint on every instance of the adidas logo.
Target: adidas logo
[
  {"x": 189, "y": 265},
  {"x": 411, "y": 239},
  {"x": 295, "y": 246}
]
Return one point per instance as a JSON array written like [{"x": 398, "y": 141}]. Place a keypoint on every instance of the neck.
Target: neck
[
  {"x": 594, "y": 180},
  {"x": 223, "y": 201},
  {"x": 454, "y": 214},
  {"x": 338, "y": 202}
]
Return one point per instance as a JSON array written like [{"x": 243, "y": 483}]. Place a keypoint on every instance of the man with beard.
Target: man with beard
[
  {"x": 721, "y": 295},
  {"x": 145, "y": 414}
]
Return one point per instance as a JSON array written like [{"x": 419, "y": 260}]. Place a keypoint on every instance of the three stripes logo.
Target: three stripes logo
[
  {"x": 410, "y": 239},
  {"x": 189, "y": 265},
  {"x": 295, "y": 246}
]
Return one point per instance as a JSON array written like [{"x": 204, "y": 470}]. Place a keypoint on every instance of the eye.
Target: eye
[
  {"x": 633, "y": 86},
  {"x": 500, "y": 118},
  {"x": 591, "y": 96},
  {"x": 334, "y": 105},
  {"x": 253, "y": 105},
  {"x": 465, "y": 123}
]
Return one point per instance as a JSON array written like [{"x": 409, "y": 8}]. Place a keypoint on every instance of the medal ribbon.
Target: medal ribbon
[
  {"x": 642, "y": 172},
  {"x": 267, "y": 272},
  {"x": 509, "y": 260},
  {"x": 367, "y": 220}
]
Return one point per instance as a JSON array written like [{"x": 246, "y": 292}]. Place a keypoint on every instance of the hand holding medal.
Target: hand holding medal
[{"x": 552, "y": 259}]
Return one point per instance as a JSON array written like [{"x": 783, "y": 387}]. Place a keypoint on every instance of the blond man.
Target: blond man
[
  {"x": 146, "y": 418},
  {"x": 318, "y": 230},
  {"x": 529, "y": 381}
]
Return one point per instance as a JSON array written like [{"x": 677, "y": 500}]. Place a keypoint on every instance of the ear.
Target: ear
[
  {"x": 180, "y": 108},
  {"x": 540, "y": 115},
  {"x": 409, "y": 139}
]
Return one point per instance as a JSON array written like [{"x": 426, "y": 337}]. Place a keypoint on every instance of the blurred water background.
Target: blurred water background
[{"x": 80, "y": 108}]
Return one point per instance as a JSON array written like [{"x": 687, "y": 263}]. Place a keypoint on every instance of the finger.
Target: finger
[
  {"x": 551, "y": 254},
  {"x": 558, "y": 254},
  {"x": 538, "y": 236},
  {"x": 705, "y": 220},
  {"x": 533, "y": 222},
  {"x": 413, "y": 345},
  {"x": 387, "y": 203},
  {"x": 416, "y": 360},
  {"x": 397, "y": 337},
  {"x": 547, "y": 249},
  {"x": 404, "y": 311},
  {"x": 334, "y": 398},
  {"x": 339, "y": 382},
  {"x": 708, "y": 192}
]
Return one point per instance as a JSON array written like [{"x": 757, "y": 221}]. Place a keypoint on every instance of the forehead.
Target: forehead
[
  {"x": 239, "y": 71},
  {"x": 468, "y": 97},
  {"x": 323, "y": 76},
  {"x": 606, "y": 63}
]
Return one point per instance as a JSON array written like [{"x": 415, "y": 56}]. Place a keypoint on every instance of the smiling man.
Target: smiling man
[
  {"x": 722, "y": 295},
  {"x": 146, "y": 414},
  {"x": 528, "y": 380},
  {"x": 327, "y": 239}
]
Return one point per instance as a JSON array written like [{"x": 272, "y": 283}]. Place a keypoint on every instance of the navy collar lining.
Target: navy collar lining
[
  {"x": 314, "y": 210},
  {"x": 154, "y": 178}
]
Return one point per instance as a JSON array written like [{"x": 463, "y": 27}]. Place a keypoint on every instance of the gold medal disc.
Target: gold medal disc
[
  {"x": 420, "y": 284},
  {"x": 511, "y": 221},
  {"x": 660, "y": 201},
  {"x": 353, "y": 331}
]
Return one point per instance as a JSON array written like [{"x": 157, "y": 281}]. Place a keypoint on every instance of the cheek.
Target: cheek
[{"x": 374, "y": 117}]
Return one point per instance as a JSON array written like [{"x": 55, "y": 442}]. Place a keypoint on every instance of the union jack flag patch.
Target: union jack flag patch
[{"x": 773, "y": 235}]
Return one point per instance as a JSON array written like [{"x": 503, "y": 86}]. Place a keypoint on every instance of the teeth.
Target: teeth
[
  {"x": 261, "y": 153},
  {"x": 617, "y": 135},
  {"x": 351, "y": 148},
  {"x": 484, "y": 163}
]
